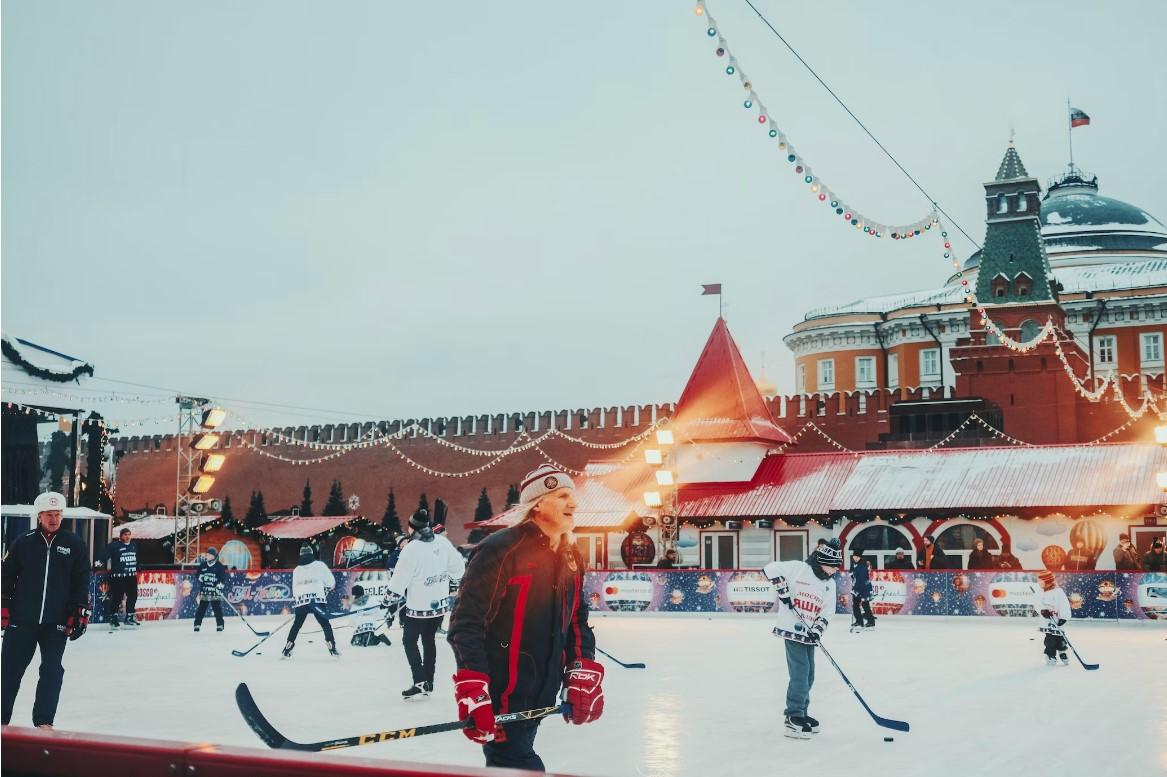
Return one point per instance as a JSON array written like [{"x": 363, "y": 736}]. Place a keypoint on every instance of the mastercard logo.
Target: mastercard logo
[
  {"x": 999, "y": 593},
  {"x": 611, "y": 590}
]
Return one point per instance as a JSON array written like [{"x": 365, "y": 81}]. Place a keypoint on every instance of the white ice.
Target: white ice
[{"x": 976, "y": 691}]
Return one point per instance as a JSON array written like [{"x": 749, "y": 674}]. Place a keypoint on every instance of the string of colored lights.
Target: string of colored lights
[{"x": 820, "y": 190}]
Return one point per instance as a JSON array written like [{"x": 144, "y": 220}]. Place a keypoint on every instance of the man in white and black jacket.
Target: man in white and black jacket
[
  {"x": 45, "y": 600},
  {"x": 121, "y": 560},
  {"x": 427, "y": 573}
]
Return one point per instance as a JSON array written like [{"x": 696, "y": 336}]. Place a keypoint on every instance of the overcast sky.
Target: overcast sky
[{"x": 393, "y": 209}]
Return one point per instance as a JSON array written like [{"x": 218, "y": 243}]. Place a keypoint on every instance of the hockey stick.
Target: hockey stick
[
  {"x": 897, "y": 725},
  {"x": 245, "y": 623},
  {"x": 275, "y": 740},
  {"x": 633, "y": 665},
  {"x": 241, "y": 653},
  {"x": 1070, "y": 645}
]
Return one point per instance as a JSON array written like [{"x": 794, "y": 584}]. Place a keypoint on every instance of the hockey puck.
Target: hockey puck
[{"x": 889, "y": 739}]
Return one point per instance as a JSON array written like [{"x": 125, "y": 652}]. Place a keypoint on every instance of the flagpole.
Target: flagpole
[{"x": 1070, "y": 130}]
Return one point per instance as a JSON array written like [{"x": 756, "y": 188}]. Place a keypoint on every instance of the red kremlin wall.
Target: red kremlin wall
[{"x": 146, "y": 470}]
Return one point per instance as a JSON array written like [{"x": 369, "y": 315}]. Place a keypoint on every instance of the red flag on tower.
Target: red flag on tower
[
  {"x": 710, "y": 288},
  {"x": 1078, "y": 118}
]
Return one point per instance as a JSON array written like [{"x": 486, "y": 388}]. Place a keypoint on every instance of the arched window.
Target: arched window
[
  {"x": 957, "y": 543},
  {"x": 879, "y": 544},
  {"x": 1002, "y": 203},
  {"x": 1022, "y": 283},
  {"x": 1029, "y": 330},
  {"x": 1022, "y": 203},
  {"x": 1000, "y": 286}
]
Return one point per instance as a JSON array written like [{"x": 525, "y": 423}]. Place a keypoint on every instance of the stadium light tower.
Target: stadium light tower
[
  {"x": 194, "y": 477},
  {"x": 663, "y": 496}
]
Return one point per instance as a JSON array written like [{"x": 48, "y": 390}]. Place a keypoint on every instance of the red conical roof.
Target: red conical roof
[{"x": 720, "y": 402}]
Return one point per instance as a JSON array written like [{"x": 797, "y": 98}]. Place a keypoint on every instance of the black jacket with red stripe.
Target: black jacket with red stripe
[{"x": 520, "y": 616}]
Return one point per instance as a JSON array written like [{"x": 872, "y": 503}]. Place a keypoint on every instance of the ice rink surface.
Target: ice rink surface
[{"x": 976, "y": 691}]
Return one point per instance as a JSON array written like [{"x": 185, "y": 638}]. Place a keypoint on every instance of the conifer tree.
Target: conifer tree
[
  {"x": 483, "y": 511},
  {"x": 226, "y": 515},
  {"x": 306, "y": 502},
  {"x": 512, "y": 494},
  {"x": 391, "y": 521},
  {"x": 335, "y": 504}
]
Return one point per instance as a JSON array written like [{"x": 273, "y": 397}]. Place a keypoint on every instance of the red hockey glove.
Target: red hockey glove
[
  {"x": 4, "y": 615},
  {"x": 1047, "y": 613},
  {"x": 472, "y": 692},
  {"x": 77, "y": 623},
  {"x": 584, "y": 693}
]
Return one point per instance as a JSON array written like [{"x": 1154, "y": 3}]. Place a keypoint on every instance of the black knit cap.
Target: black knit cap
[
  {"x": 830, "y": 555},
  {"x": 420, "y": 519},
  {"x": 306, "y": 552}
]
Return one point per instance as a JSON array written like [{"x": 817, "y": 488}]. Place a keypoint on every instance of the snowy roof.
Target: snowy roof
[
  {"x": 69, "y": 513},
  {"x": 721, "y": 401},
  {"x": 1152, "y": 272},
  {"x": 159, "y": 527},
  {"x": 819, "y": 484},
  {"x": 27, "y": 365},
  {"x": 945, "y": 296},
  {"x": 295, "y": 527},
  {"x": 1011, "y": 166}
]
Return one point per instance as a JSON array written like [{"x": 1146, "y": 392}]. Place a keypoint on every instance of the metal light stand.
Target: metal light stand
[{"x": 186, "y": 535}]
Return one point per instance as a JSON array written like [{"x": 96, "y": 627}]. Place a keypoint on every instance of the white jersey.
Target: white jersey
[
  {"x": 423, "y": 575},
  {"x": 368, "y": 620},
  {"x": 1056, "y": 601},
  {"x": 812, "y": 598},
  {"x": 311, "y": 583}
]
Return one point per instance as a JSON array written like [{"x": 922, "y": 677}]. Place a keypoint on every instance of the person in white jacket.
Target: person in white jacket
[
  {"x": 311, "y": 582},
  {"x": 806, "y": 602},
  {"x": 427, "y": 574},
  {"x": 1054, "y": 606}
]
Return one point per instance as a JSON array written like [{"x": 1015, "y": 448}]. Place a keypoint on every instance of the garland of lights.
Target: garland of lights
[
  {"x": 824, "y": 193},
  {"x": 102, "y": 397}
]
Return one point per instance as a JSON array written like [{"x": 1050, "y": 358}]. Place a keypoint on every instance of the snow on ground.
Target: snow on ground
[{"x": 975, "y": 690}]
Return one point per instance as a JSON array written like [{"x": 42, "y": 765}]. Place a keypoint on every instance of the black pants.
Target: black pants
[
  {"x": 302, "y": 613},
  {"x": 1054, "y": 643},
  {"x": 20, "y": 642},
  {"x": 215, "y": 605},
  {"x": 425, "y": 628},
  {"x": 120, "y": 586},
  {"x": 866, "y": 617},
  {"x": 518, "y": 751},
  {"x": 370, "y": 639}
]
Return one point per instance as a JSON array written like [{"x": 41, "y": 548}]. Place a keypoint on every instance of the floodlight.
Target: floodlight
[
  {"x": 205, "y": 441},
  {"x": 652, "y": 456},
  {"x": 652, "y": 498},
  {"x": 664, "y": 477},
  {"x": 212, "y": 462},
  {"x": 213, "y": 417},
  {"x": 201, "y": 484},
  {"x": 1161, "y": 435},
  {"x": 664, "y": 437}
]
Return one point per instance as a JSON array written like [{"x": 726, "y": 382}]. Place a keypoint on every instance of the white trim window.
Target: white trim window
[
  {"x": 864, "y": 372},
  {"x": 1151, "y": 350},
  {"x": 893, "y": 370},
  {"x": 930, "y": 365},
  {"x": 826, "y": 375},
  {"x": 1105, "y": 353},
  {"x": 801, "y": 379}
]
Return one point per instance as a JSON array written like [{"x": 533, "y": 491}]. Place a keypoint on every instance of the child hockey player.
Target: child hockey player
[
  {"x": 121, "y": 558},
  {"x": 311, "y": 582},
  {"x": 371, "y": 626},
  {"x": 861, "y": 591},
  {"x": 427, "y": 572},
  {"x": 806, "y": 601},
  {"x": 1054, "y": 606},
  {"x": 212, "y": 581}
]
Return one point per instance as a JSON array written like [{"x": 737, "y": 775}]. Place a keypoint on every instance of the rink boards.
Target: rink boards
[{"x": 998, "y": 593}]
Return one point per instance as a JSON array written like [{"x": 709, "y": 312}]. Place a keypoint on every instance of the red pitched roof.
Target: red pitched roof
[
  {"x": 788, "y": 485},
  {"x": 720, "y": 402}
]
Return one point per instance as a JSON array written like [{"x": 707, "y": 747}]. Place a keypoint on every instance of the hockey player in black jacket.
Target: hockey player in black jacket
[
  {"x": 519, "y": 628},
  {"x": 212, "y": 581},
  {"x": 121, "y": 560},
  {"x": 45, "y": 600}
]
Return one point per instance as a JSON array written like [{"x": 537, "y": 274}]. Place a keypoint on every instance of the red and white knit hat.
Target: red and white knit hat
[
  {"x": 1048, "y": 582},
  {"x": 541, "y": 481}
]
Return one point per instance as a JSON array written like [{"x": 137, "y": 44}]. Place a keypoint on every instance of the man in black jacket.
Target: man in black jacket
[
  {"x": 122, "y": 563},
  {"x": 520, "y": 629},
  {"x": 45, "y": 600}
]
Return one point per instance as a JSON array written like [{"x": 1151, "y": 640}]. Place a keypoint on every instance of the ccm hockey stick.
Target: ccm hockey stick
[
  {"x": 633, "y": 665},
  {"x": 897, "y": 725},
  {"x": 245, "y": 623},
  {"x": 275, "y": 740},
  {"x": 242, "y": 653}
]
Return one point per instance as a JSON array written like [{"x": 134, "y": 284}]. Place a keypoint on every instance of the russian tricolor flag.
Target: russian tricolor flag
[{"x": 1078, "y": 117}]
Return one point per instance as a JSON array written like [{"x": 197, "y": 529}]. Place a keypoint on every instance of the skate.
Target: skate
[
  {"x": 219, "y": 627},
  {"x": 113, "y": 621},
  {"x": 1051, "y": 661},
  {"x": 332, "y": 651},
  {"x": 415, "y": 691},
  {"x": 1065, "y": 659},
  {"x": 429, "y": 687},
  {"x": 856, "y": 626},
  {"x": 812, "y": 723},
  {"x": 287, "y": 651},
  {"x": 198, "y": 626},
  {"x": 132, "y": 621},
  {"x": 796, "y": 728}
]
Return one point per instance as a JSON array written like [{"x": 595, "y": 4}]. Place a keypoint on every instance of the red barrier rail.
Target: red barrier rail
[{"x": 30, "y": 751}]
